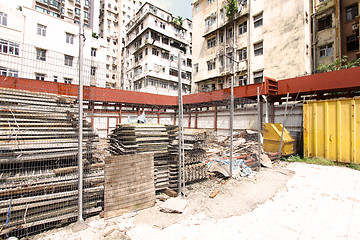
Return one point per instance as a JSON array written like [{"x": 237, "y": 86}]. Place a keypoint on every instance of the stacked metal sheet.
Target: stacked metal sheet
[
  {"x": 194, "y": 155},
  {"x": 142, "y": 138},
  {"x": 38, "y": 161}
]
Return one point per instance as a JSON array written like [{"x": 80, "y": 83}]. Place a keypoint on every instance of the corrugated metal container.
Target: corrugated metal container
[{"x": 332, "y": 130}]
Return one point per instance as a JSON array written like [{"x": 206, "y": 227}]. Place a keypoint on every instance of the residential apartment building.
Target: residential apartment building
[
  {"x": 335, "y": 30},
  {"x": 154, "y": 40},
  {"x": 263, "y": 38},
  {"x": 68, "y": 10},
  {"x": 114, "y": 15},
  {"x": 41, "y": 46}
]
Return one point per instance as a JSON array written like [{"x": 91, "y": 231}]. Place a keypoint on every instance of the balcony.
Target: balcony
[{"x": 325, "y": 5}]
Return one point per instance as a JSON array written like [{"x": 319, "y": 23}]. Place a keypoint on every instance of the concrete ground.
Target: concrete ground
[
  {"x": 320, "y": 203},
  {"x": 313, "y": 202}
]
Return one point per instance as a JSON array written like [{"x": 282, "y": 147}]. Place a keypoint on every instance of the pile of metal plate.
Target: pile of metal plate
[
  {"x": 194, "y": 155},
  {"x": 38, "y": 161},
  {"x": 141, "y": 138}
]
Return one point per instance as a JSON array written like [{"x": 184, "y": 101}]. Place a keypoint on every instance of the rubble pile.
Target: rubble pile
[
  {"x": 245, "y": 147},
  {"x": 38, "y": 161}
]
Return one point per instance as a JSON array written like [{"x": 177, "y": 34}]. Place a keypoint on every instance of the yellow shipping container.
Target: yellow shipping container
[{"x": 332, "y": 129}]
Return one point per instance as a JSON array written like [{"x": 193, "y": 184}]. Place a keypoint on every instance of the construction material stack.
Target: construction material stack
[
  {"x": 195, "y": 140},
  {"x": 38, "y": 161},
  {"x": 144, "y": 138}
]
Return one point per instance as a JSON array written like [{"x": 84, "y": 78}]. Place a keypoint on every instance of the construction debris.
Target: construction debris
[
  {"x": 38, "y": 160},
  {"x": 214, "y": 193},
  {"x": 174, "y": 205}
]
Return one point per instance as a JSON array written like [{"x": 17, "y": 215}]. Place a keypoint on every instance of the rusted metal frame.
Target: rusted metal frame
[
  {"x": 120, "y": 113},
  {"x": 215, "y": 118},
  {"x": 189, "y": 117},
  {"x": 107, "y": 126},
  {"x": 158, "y": 116},
  {"x": 272, "y": 110},
  {"x": 196, "y": 118}
]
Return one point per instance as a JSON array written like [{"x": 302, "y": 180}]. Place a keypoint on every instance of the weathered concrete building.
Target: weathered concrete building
[
  {"x": 114, "y": 15},
  {"x": 153, "y": 42},
  {"x": 263, "y": 38},
  {"x": 335, "y": 30}
]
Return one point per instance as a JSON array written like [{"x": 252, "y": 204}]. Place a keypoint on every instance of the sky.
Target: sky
[{"x": 182, "y": 8}]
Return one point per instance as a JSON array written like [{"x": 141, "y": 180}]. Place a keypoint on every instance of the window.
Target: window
[
  {"x": 3, "y": 18},
  {"x": 40, "y": 76},
  {"x": 229, "y": 33},
  {"x": 211, "y": 42},
  {"x": 92, "y": 71},
  {"x": 155, "y": 51},
  {"x": 209, "y": 21},
  {"x": 352, "y": 43},
  {"x": 258, "y": 77},
  {"x": 210, "y": 2},
  {"x": 351, "y": 12},
  {"x": 3, "y": 71},
  {"x": 41, "y": 30},
  {"x": 70, "y": 38},
  {"x": 326, "y": 51},
  {"x": 242, "y": 54},
  {"x": 41, "y": 54},
  {"x": 243, "y": 27},
  {"x": 221, "y": 37},
  {"x": 77, "y": 11},
  {"x": 243, "y": 80},
  {"x": 55, "y": 78},
  {"x": 173, "y": 72},
  {"x": 162, "y": 25},
  {"x": 8, "y": 72},
  {"x": 69, "y": 60},
  {"x": 93, "y": 52},
  {"x": 230, "y": 58},
  {"x": 325, "y": 22},
  {"x": 258, "y": 20},
  {"x": 221, "y": 60},
  {"x": 67, "y": 80},
  {"x": 211, "y": 65},
  {"x": 165, "y": 40},
  {"x": 9, "y": 47},
  {"x": 258, "y": 49},
  {"x": 165, "y": 54},
  {"x": 196, "y": 67}
]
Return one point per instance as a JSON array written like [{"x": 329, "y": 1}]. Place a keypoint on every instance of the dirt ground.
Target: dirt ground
[{"x": 236, "y": 197}]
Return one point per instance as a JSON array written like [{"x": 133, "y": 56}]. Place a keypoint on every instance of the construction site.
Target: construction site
[{"x": 156, "y": 157}]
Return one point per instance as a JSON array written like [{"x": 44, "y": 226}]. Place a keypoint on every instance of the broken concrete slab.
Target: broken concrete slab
[
  {"x": 266, "y": 161},
  {"x": 220, "y": 168},
  {"x": 174, "y": 205}
]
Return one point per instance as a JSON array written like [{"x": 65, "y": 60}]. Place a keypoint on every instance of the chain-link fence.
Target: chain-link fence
[{"x": 121, "y": 137}]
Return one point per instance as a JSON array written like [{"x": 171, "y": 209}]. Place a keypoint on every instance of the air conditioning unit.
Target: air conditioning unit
[{"x": 355, "y": 27}]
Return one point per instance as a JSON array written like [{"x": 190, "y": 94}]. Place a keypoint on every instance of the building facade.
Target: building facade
[
  {"x": 335, "y": 30},
  {"x": 154, "y": 40},
  {"x": 263, "y": 38},
  {"x": 114, "y": 15},
  {"x": 41, "y": 46}
]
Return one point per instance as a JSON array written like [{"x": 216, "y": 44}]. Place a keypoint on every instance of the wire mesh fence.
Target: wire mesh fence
[
  {"x": 39, "y": 142},
  {"x": 39, "y": 146}
]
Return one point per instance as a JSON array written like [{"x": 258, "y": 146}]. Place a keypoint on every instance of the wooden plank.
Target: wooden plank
[{"x": 129, "y": 182}]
